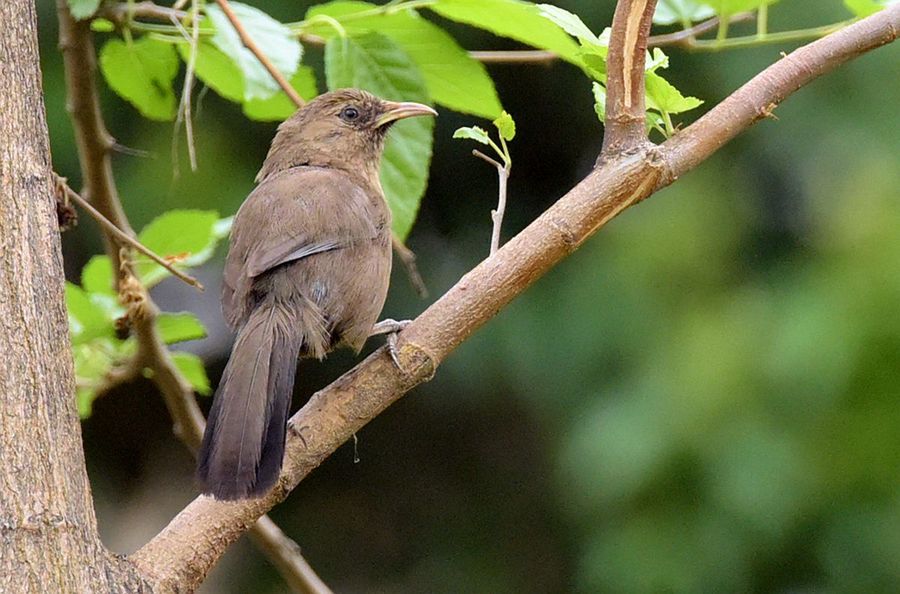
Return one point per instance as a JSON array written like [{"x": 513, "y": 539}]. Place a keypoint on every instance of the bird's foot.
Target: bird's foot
[{"x": 391, "y": 328}]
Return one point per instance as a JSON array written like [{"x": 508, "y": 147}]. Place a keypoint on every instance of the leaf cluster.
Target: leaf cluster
[{"x": 98, "y": 321}]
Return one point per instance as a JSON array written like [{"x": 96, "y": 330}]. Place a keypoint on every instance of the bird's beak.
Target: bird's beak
[{"x": 394, "y": 111}]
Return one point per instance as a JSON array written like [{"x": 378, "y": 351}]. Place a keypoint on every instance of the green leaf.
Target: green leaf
[
  {"x": 215, "y": 69},
  {"x": 506, "y": 126},
  {"x": 102, "y": 26},
  {"x": 274, "y": 40},
  {"x": 376, "y": 64},
  {"x": 84, "y": 401},
  {"x": 664, "y": 97},
  {"x": 452, "y": 77},
  {"x": 729, "y": 7},
  {"x": 191, "y": 367},
  {"x": 142, "y": 72},
  {"x": 570, "y": 23},
  {"x": 185, "y": 236},
  {"x": 473, "y": 133},
  {"x": 179, "y": 327},
  {"x": 593, "y": 58},
  {"x": 655, "y": 60},
  {"x": 864, "y": 8},
  {"x": 670, "y": 12},
  {"x": 92, "y": 363},
  {"x": 599, "y": 101},
  {"x": 279, "y": 106},
  {"x": 517, "y": 20},
  {"x": 82, "y": 9},
  {"x": 88, "y": 320},
  {"x": 97, "y": 276}
]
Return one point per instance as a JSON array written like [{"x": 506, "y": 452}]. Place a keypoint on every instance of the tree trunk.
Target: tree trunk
[{"x": 48, "y": 532}]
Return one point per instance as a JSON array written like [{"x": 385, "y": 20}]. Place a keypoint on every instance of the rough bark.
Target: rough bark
[{"x": 48, "y": 532}]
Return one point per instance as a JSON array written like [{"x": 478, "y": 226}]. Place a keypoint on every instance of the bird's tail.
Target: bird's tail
[{"x": 243, "y": 445}]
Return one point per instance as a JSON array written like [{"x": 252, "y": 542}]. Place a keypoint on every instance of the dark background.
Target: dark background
[{"x": 703, "y": 398}]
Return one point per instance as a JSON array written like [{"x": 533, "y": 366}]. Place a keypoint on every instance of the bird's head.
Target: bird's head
[{"x": 343, "y": 129}]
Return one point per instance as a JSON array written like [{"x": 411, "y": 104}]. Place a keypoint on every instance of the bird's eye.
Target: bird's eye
[{"x": 349, "y": 114}]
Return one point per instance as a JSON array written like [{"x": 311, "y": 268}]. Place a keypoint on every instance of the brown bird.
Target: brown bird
[{"x": 307, "y": 271}]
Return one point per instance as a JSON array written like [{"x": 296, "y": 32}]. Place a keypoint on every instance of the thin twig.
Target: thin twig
[
  {"x": 285, "y": 555},
  {"x": 513, "y": 56},
  {"x": 408, "y": 258},
  {"x": 685, "y": 37},
  {"x": 120, "y": 12},
  {"x": 497, "y": 215},
  {"x": 120, "y": 235},
  {"x": 728, "y": 43},
  {"x": 263, "y": 59},
  {"x": 184, "y": 108}
]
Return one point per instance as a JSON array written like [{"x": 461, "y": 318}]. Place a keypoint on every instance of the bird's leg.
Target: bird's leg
[{"x": 391, "y": 328}]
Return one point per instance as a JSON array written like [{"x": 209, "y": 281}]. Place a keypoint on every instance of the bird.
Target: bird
[{"x": 307, "y": 271}]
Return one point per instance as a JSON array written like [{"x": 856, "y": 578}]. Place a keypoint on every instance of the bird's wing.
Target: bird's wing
[
  {"x": 295, "y": 214},
  {"x": 288, "y": 251}
]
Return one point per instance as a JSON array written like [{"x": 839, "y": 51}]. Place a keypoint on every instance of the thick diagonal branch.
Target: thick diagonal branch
[{"x": 173, "y": 561}]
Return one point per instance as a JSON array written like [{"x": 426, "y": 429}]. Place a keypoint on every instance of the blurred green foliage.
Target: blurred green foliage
[{"x": 702, "y": 399}]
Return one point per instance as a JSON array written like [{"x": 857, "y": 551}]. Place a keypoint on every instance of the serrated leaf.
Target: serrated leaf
[
  {"x": 142, "y": 72},
  {"x": 655, "y": 60},
  {"x": 215, "y": 69},
  {"x": 664, "y": 97},
  {"x": 473, "y": 133},
  {"x": 570, "y": 23},
  {"x": 452, "y": 77},
  {"x": 186, "y": 237},
  {"x": 279, "y": 106},
  {"x": 514, "y": 19},
  {"x": 83, "y": 9},
  {"x": 506, "y": 126},
  {"x": 670, "y": 12},
  {"x": 272, "y": 38},
  {"x": 864, "y": 8},
  {"x": 192, "y": 368},
  {"x": 179, "y": 327},
  {"x": 375, "y": 63},
  {"x": 87, "y": 320}
]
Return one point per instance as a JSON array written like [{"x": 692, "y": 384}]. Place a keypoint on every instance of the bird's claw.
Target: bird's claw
[
  {"x": 392, "y": 349},
  {"x": 391, "y": 328}
]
